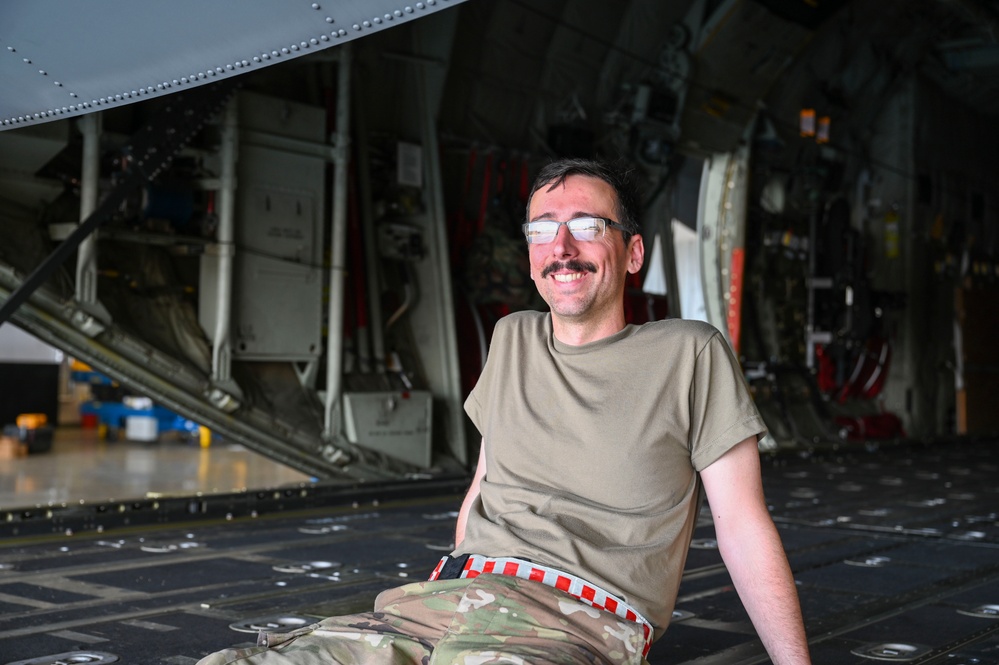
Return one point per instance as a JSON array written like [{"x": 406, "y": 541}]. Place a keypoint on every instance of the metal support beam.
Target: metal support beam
[
  {"x": 430, "y": 83},
  {"x": 372, "y": 274},
  {"x": 152, "y": 148},
  {"x": 221, "y": 348},
  {"x": 338, "y": 242},
  {"x": 86, "y": 258}
]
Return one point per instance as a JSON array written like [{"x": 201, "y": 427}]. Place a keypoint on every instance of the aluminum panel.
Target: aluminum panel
[{"x": 138, "y": 50}]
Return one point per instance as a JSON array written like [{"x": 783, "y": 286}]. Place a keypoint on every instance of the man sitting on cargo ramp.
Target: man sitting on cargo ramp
[{"x": 598, "y": 439}]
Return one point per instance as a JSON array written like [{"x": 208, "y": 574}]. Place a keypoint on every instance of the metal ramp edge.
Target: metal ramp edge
[{"x": 174, "y": 384}]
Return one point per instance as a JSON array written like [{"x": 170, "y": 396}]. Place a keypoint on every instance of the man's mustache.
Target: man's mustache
[{"x": 573, "y": 265}]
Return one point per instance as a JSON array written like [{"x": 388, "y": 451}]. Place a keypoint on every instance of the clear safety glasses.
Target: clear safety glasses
[{"x": 586, "y": 229}]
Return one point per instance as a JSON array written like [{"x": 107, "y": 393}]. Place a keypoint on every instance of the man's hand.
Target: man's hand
[{"x": 752, "y": 551}]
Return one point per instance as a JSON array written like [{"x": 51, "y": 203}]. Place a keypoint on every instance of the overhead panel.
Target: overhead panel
[
  {"x": 60, "y": 59},
  {"x": 808, "y": 13},
  {"x": 741, "y": 51}
]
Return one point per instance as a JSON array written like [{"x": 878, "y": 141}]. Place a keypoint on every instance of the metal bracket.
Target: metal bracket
[{"x": 150, "y": 151}]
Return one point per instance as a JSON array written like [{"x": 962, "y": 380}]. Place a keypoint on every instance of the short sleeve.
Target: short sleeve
[{"x": 722, "y": 412}]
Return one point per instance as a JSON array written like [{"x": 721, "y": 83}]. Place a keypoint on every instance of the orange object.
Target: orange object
[
  {"x": 822, "y": 131},
  {"x": 734, "y": 314},
  {"x": 806, "y": 122},
  {"x": 32, "y": 420}
]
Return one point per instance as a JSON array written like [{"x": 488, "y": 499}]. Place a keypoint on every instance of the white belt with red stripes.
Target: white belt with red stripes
[{"x": 576, "y": 587}]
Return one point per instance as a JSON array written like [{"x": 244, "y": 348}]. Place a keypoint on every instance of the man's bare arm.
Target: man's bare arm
[
  {"x": 752, "y": 551},
  {"x": 470, "y": 496}
]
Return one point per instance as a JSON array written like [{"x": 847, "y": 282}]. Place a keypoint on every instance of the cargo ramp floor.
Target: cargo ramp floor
[{"x": 895, "y": 551}]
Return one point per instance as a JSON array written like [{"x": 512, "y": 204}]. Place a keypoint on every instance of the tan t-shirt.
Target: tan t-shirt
[{"x": 592, "y": 451}]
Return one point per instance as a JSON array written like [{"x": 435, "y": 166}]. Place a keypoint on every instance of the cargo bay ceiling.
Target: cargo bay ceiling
[
  {"x": 516, "y": 67},
  {"x": 644, "y": 78},
  {"x": 528, "y": 67}
]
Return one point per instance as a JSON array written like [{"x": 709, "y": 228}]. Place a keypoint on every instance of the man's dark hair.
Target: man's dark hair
[{"x": 619, "y": 176}]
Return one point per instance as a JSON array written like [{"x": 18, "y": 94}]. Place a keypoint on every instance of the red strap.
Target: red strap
[
  {"x": 460, "y": 233},
  {"x": 524, "y": 188},
  {"x": 501, "y": 176},
  {"x": 468, "y": 176},
  {"x": 487, "y": 177}
]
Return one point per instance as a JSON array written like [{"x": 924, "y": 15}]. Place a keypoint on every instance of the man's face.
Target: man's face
[{"x": 582, "y": 282}]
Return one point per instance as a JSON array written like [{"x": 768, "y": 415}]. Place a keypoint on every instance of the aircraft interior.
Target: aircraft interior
[{"x": 293, "y": 226}]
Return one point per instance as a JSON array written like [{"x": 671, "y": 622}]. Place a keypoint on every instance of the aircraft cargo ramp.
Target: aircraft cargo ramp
[{"x": 895, "y": 552}]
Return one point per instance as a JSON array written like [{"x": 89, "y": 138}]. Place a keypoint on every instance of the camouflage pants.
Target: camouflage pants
[{"x": 488, "y": 620}]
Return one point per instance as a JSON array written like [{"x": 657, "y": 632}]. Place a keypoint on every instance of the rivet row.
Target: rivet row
[
  {"x": 378, "y": 20},
  {"x": 166, "y": 85}
]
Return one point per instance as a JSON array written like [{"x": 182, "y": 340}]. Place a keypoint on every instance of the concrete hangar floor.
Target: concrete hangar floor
[{"x": 895, "y": 550}]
